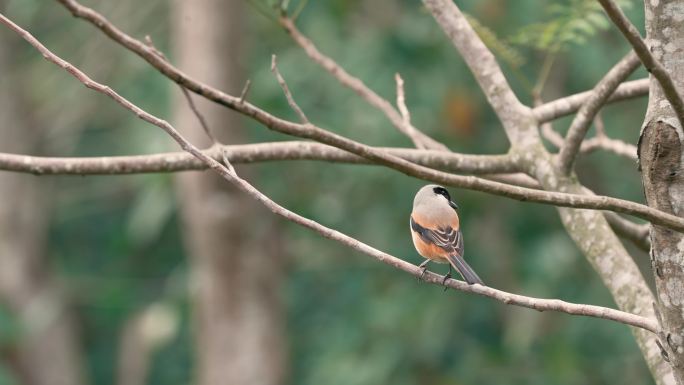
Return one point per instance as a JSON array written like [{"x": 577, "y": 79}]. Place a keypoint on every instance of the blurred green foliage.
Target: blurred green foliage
[
  {"x": 570, "y": 22},
  {"x": 115, "y": 240}
]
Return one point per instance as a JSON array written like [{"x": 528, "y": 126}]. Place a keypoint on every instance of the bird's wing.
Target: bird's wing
[{"x": 446, "y": 237}]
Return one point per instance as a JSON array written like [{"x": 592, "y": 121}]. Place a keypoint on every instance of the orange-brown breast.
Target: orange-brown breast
[{"x": 435, "y": 220}]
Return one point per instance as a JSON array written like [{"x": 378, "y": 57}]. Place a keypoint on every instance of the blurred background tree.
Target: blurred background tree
[
  {"x": 236, "y": 258},
  {"x": 200, "y": 282}
]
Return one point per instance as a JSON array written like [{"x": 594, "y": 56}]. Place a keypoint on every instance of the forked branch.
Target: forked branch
[
  {"x": 570, "y": 104},
  {"x": 599, "y": 95}
]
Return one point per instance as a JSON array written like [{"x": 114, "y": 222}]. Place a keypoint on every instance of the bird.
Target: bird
[{"x": 436, "y": 233}]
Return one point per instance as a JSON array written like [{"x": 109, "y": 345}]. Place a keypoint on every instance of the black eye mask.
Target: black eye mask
[{"x": 439, "y": 190}]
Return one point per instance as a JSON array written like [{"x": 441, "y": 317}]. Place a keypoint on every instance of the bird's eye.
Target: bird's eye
[{"x": 442, "y": 191}]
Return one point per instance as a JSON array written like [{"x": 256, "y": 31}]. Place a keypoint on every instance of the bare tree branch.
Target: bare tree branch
[
  {"x": 249, "y": 153},
  {"x": 198, "y": 115},
  {"x": 616, "y": 146},
  {"x": 514, "y": 116},
  {"x": 419, "y": 139},
  {"x": 652, "y": 65},
  {"x": 230, "y": 175},
  {"x": 517, "y": 179},
  {"x": 570, "y": 104},
  {"x": 245, "y": 91},
  {"x": 580, "y": 125}
]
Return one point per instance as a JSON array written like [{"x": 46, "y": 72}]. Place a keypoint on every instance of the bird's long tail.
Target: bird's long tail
[{"x": 464, "y": 269}]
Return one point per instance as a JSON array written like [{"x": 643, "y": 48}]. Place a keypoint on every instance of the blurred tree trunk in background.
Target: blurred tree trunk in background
[
  {"x": 235, "y": 260},
  {"x": 47, "y": 350}
]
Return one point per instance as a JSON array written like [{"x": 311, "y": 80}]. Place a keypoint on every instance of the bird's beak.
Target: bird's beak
[{"x": 453, "y": 205}]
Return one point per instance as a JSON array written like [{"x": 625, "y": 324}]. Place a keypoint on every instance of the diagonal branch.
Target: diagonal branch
[
  {"x": 419, "y": 139},
  {"x": 519, "y": 120},
  {"x": 599, "y": 95},
  {"x": 570, "y": 104},
  {"x": 286, "y": 91},
  {"x": 514, "y": 116},
  {"x": 653, "y": 66},
  {"x": 228, "y": 173}
]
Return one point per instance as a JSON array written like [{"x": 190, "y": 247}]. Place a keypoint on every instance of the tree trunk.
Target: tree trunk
[
  {"x": 660, "y": 157},
  {"x": 47, "y": 351},
  {"x": 235, "y": 260}
]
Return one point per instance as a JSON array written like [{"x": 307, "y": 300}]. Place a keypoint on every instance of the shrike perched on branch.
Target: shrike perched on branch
[{"x": 436, "y": 232}]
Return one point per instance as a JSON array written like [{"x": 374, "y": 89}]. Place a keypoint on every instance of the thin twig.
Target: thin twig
[
  {"x": 230, "y": 175},
  {"x": 186, "y": 94},
  {"x": 286, "y": 90},
  {"x": 518, "y": 117},
  {"x": 401, "y": 99},
  {"x": 199, "y": 116},
  {"x": 150, "y": 43},
  {"x": 419, "y": 139},
  {"x": 580, "y": 125},
  {"x": 245, "y": 91},
  {"x": 653, "y": 66}
]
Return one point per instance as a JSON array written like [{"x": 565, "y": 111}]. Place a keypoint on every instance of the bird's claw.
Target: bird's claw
[
  {"x": 446, "y": 278},
  {"x": 423, "y": 269}
]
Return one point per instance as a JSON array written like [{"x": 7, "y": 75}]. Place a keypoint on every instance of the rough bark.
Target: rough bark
[
  {"x": 47, "y": 351},
  {"x": 607, "y": 255},
  {"x": 660, "y": 157},
  {"x": 235, "y": 262}
]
